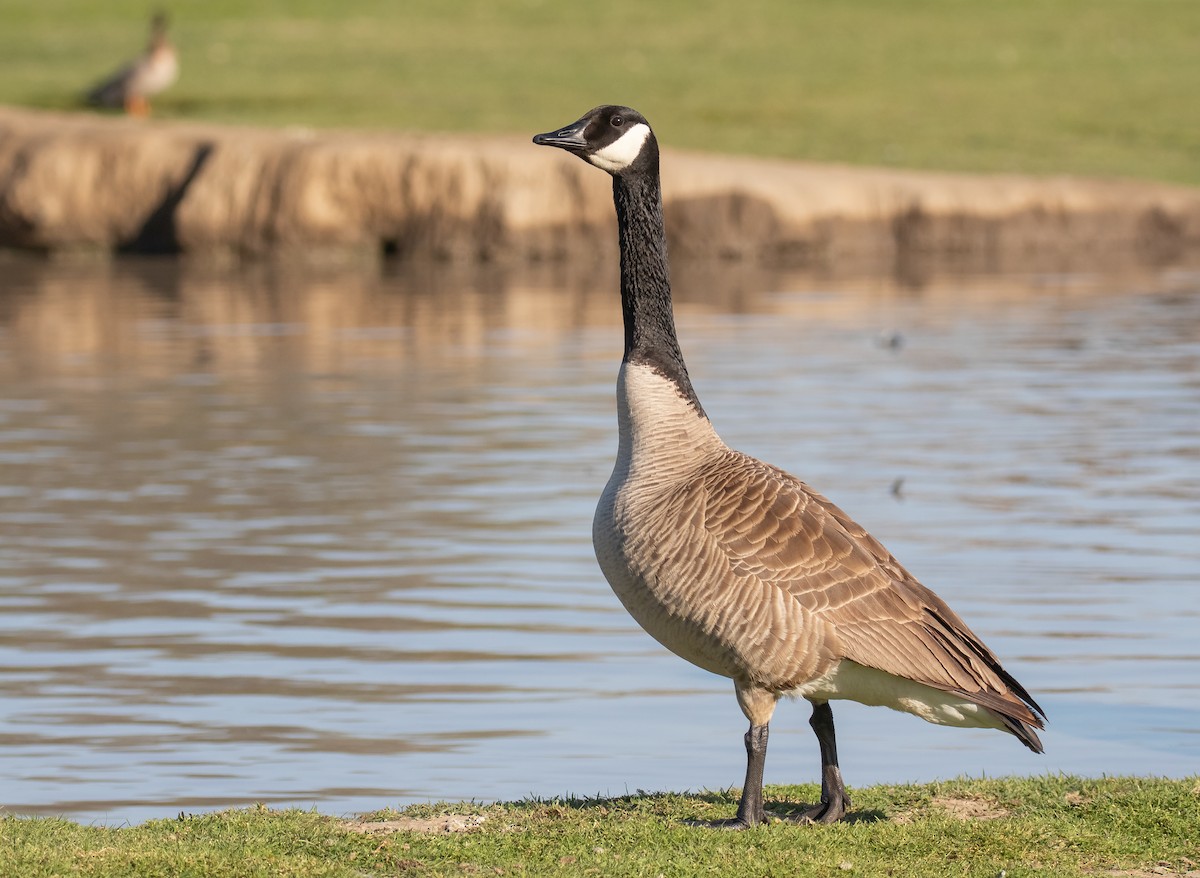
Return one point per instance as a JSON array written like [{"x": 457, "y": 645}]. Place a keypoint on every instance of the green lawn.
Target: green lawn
[
  {"x": 1104, "y": 87},
  {"x": 1054, "y": 826}
]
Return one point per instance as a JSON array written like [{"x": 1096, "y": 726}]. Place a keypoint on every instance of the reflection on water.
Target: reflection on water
[{"x": 324, "y": 538}]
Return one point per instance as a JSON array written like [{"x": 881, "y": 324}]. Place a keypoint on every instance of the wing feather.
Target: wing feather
[{"x": 776, "y": 529}]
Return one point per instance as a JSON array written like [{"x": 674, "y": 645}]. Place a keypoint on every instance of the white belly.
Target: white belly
[
  {"x": 645, "y": 555},
  {"x": 854, "y": 682}
]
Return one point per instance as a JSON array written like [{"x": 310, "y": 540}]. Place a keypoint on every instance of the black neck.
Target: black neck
[{"x": 646, "y": 280}]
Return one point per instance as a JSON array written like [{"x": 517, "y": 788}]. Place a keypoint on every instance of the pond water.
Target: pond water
[{"x": 322, "y": 537}]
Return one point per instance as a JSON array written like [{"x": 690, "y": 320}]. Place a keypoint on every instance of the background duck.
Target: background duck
[{"x": 152, "y": 72}]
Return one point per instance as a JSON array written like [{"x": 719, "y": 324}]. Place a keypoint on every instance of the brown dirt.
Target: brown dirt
[
  {"x": 445, "y": 823},
  {"x": 960, "y": 808},
  {"x": 970, "y": 809}
]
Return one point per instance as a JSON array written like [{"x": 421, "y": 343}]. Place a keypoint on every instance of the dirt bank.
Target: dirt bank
[{"x": 85, "y": 182}]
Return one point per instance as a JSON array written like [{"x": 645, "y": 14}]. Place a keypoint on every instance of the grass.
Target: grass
[
  {"x": 1060, "y": 826},
  {"x": 1104, "y": 87}
]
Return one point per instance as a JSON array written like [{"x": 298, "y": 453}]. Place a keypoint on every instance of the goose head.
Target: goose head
[
  {"x": 158, "y": 30},
  {"x": 614, "y": 139}
]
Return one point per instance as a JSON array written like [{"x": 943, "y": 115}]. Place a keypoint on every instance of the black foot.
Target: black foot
[
  {"x": 733, "y": 824},
  {"x": 830, "y": 811}
]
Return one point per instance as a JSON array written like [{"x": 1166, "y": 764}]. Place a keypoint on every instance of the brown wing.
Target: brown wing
[{"x": 776, "y": 529}]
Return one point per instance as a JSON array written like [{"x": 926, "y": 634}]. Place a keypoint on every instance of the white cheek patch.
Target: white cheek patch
[{"x": 622, "y": 152}]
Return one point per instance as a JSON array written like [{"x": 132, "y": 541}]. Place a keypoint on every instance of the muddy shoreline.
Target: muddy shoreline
[{"x": 88, "y": 183}]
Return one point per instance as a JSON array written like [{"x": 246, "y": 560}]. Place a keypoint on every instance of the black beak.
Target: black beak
[{"x": 569, "y": 138}]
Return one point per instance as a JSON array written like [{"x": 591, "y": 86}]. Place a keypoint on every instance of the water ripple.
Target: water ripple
[{"x": 330, "y": 545}]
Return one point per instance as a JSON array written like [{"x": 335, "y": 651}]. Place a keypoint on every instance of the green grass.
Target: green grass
[
  {"x": 1060, "y": 826},
  {"x": 1104, "y": 87}
]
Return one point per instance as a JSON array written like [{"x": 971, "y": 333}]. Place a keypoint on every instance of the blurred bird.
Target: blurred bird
[{"x": 148, "y": 74}]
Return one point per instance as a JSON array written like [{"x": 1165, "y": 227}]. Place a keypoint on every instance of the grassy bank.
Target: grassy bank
[
  {"x": 1086, "y": 86},
  {"x": 1059, "y": 826}
]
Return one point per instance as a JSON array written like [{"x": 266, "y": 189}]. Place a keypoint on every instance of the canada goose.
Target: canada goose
[
  {"x": 147, "y": 75},
  {"x": 738, "y": 566}
]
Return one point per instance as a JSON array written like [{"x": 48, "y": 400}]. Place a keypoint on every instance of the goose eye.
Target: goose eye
[{"x": 617, "y": 121}]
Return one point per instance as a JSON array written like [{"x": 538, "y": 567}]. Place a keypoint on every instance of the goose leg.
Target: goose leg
[
  {"x": 750, "y": 808},
  {"x": 834, "y": 799}
]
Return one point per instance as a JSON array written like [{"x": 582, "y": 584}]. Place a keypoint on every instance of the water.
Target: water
[{"x": 322, "y": 538}]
